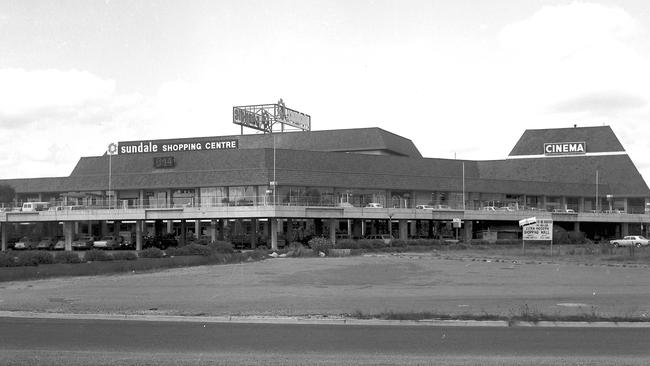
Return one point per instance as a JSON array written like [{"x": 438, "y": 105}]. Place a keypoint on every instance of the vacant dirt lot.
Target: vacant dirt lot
[{"x": 429, "y": 282}]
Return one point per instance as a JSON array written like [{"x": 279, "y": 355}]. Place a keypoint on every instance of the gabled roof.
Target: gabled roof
[
  {"x": 598, "y": 139},
  {"x": 371, "y": 140}
]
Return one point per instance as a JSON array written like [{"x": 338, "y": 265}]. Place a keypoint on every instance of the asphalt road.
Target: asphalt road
[{"x": 25, "y": 341}]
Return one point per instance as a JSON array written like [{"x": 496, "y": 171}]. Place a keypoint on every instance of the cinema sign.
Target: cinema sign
[{"x": 565, "y": 148}]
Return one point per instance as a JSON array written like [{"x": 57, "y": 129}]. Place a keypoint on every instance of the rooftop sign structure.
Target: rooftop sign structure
[{"x": 265, "y": 117}]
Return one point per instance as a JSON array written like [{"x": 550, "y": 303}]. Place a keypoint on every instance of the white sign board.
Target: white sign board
[
  {"x": 528, "y": 221},
  {"x": 542, "y": 230}
]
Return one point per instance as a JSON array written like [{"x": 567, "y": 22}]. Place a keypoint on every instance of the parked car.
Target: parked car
[
  {"x": 26, "y": 243},
  {"x": 108, "y": 242},
  {"x": 60, "y": 243},
  {"x": 488, "y": 208},
  {"x": 441, "y": 207},
  {"x": 631, "y": 240},
  {"x": 161, "y": 242},
  {"x": 84, "y": 241},
  {"x": 374, "y": 205},
  {"x": 424, "y": 207},
  {"x": 46, "y": 243}
]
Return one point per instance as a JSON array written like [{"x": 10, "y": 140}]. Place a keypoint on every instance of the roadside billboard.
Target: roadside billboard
[{"x": 541, "y": 230}]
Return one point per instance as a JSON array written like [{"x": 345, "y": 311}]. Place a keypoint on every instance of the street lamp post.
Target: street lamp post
[{"x": 112, "y": 149}]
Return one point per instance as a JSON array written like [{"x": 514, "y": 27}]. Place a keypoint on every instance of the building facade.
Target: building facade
[{"x": 274, "y": 188}]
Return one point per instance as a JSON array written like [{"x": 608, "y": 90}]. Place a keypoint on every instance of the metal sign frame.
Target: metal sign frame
[{"x": 266, "y": 117}]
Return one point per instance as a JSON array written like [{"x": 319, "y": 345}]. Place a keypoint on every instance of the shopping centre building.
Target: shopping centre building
[{"x": 274, "y": 188}]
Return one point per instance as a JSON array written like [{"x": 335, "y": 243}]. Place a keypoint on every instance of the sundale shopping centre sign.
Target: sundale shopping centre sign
[
  {"x": 565, "y": 148},
  {"x": 140, "y": 147}
]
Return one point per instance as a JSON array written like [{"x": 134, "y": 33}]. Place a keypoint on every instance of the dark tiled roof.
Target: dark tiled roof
[
  {"x": 570, "y": 176},
  {"x": 598, "y": 139},
  {"x": 357, "y": 139}
]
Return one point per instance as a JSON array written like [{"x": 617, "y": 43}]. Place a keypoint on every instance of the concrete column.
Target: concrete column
[
  {"x": 576, "y": 226},
  {"x": 221, "y": 226},
  {"x": 253, "y": 233},
  {"x": 183, "y": 232},
  {"x": 68, "y": 233},
  {"x": 289, "y": 233},
  {"x": 333, "y": 224},
  {"x": 468, "y": 227},
  {"x": 213, "y": 230},
  {"x": 3, "y": 232},
  {"x": 138, "y": 234},
  {"x": 413, "y": 227},
  {"x": 141, "y": 198},
  {"x": 197, "y": 228},
  {"x": 116, "y": 227},
  {"x": 363, "y": 227},
  {"x": 103, "y": 228},
  {"x": 625, "y": 229},
  {"x": 544, "y": 203},
  {"x": 625, "y": 205},
  {"x": 403, "y": 229},
  {"x": 274, "y": 233},
  {"x": 170, "y": 226}
]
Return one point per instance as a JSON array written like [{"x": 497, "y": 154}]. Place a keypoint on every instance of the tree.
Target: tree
[{"x": 7, "y": 193}]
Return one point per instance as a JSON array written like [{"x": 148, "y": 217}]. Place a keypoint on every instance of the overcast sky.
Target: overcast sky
[{"x": 459, "y": 78}]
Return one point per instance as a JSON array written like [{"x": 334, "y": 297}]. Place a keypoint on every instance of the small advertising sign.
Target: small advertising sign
[{"x": 541, "y": 230}]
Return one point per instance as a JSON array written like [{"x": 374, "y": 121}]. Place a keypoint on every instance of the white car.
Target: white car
[
  {"x": 629, "y": 241},
  {"x": 424, "y": 207},
  {"x": 374, "y": 205}
]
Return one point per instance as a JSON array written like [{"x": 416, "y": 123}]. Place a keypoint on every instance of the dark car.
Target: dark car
[
  {"x": 83, "y": 242},
  {"x": 46, "y": 243},
  {"x": 161, "y": 242}
]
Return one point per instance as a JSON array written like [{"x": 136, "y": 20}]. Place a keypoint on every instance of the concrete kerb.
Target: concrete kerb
[{"x": 318, "y": 320}]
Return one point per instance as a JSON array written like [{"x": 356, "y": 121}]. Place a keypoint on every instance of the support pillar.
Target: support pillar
[
  {"x": 183, "y": 231},
  {"x": 138, "y": 234},
  {"x": 413, "y": 228},
  {"x": 221, "y": 226},
  {"x": 3, "y": 229},
  {"x": 254, "y": 224},
  {"x": 170, "y": 226},
  {"x": 403, "y": 229},
  {"x": 68, "y": 233},
  {"x": 363, "y": 228},
  {"x": 213, "y": 230},
  {"x": 333, "y": 224},
  {"x": 625, "y": 229},
  {"x": 116, "y": 228},
  {"x": 197, "y": 228},
  {"x": 289, "y": 233},
  {"x": 274, "y": 233},
  {"x": 576, "y": 226},
  {"x": 468, "y": 227}
]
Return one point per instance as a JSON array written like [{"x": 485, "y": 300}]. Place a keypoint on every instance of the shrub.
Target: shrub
[
  {"x": 191, "y": 249},
  {"x": 7, "y": 260},
  {"x": 347, "y": 244},
  {"x": 125, "y": 256},
  {"x": 320, "y": 244},
  {"x": 296, "y": 249},
  {"x": 34, "y": 258},
  {"x": 96, "y": 255},
  {"x": 221, "y": 247},
  {"x": 153, "y": 253},
  {"x": 398, "y": 243},
  {"x": 67, "y": 257}
]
